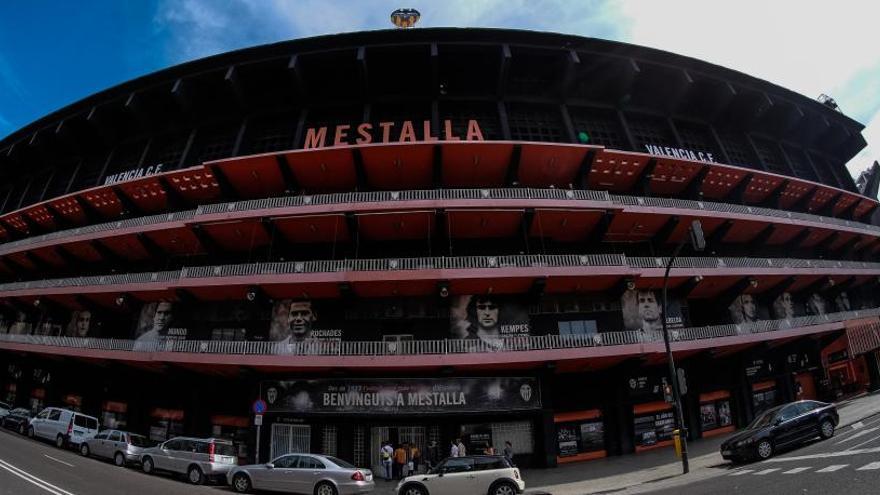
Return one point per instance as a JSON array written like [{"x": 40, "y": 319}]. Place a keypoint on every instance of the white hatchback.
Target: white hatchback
[
  {"x": 63, "y": 426},
  {"x": 476, "y": 474}
]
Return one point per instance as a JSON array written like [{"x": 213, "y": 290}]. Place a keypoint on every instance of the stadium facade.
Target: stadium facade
[{"x": 431, "y": 234}]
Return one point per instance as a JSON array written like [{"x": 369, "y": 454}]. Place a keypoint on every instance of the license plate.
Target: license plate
[{"x": 725, "y": 452}]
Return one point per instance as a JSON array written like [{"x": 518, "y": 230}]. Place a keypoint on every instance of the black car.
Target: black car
[
  {"x": 779, "y": 427},
  {"x": 18, "y": 419}
]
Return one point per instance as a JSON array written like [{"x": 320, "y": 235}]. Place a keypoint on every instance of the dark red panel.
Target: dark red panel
[
  {"x": 616, "y": 171},
  {"x": 474, "y": 224},
  {"x": 255, "y": 176},
  {"x": 864, "y": 206},
  {"x": 820, "y": 198},
  {"x": 712, "y": 286},
  {"x": 633, "y": 227},
  {"x": 314, "y": 228},
  {"x": 323, "y": 170},
  {"x": 783, "y": 233},
  {"x": 568, "y": 285},
  {"x": 744, "y": 231},
  {"x": 302, "y": 291},
  {"x": 720, "y": 181},
  {"x": 793, "y": 192},
  {"x": 238, "y": 235},
  {"x": 816, "y": 236},
  {"x": 40, "y": 215},
  {"x": 196, "y": 184},
  {"x": 672, "y": 176},
  {"x": 490, "y": 285},
  {"x": 21, "y": 260},
  {"x": 69, "y": 208},
  {"x": 564, "y": 225},
  {"x": 17, "y": 222},
  {"x": 126, "y": 246},
  {"x": 475, "y": 164},
  {"x": 179, "y": 241},
  {"x": 397, "y": 226},
  {"x": 760, "y": 187},
  {"x": 83, "y": 251},
  {"x": 404, "y": 288},
  {"x": 389, "y": 167},
  {"x": 845, "y": 201},
  {"x": 543, "y": 165},
  {"x": 146, "y": 193},
  {"x": 104, "y": 200},
  {"x": 50, "y": 255}
]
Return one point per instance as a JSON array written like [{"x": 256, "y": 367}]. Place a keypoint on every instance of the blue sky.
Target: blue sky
[{"x": 54, "y": 53}]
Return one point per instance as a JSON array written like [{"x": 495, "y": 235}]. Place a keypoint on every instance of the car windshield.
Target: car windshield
[
  {"x": 139, "y": 441},
  {"x": 21, "y": 411},
  {"x": 340, "y": 462},
  {"x": 764, "y": 419}
]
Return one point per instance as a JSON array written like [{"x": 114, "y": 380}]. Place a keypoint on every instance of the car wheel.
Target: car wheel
[
  {"x": 241, "y": 483},
  {"x": 119, "y": 459},
  {"x": 826, "y": 429},
  {"x": 195, "y": 476},
  {"x": 59, "y": 442},
  {"x": 147, "y": 465},
  {"x": 325, "y": 488},
  {"x": 413, "y": 490},
  {"x": 764, "y": 449},
  {"x": 84, "y": 449},
  {"x": 503, "y": 488}
]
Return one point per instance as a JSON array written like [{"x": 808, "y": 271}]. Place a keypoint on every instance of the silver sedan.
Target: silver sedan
[{"x": 303, "y": 473}]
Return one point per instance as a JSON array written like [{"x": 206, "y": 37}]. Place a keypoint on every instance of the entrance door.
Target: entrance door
[
  {"x": 414, "y": 435},
  {"x": 290, "y": 439},
  {"x": 396, "y": 435}
]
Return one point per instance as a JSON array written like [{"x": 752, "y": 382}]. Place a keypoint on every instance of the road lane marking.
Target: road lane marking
[
  {"x": 796, "y": 470},
  {"x": 857, "y": 425},
  {"x": 832, "y": 468},
  {"x": 740, "y": 473},
  {"x": 45, "y": 485},
  {"x": 766, "y": 471},
  {"x": 58, "y": 460},
  {"x": 863, "y": 443},
  {"x": 825, "y": 455},
  {"x": 857, "y": 435},
  {"x": 869, "y": 467}
]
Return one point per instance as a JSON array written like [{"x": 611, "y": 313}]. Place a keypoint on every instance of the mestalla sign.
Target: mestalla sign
[
  {"x": 389, "y": 132},
  {"x": 405, "y": 395}
]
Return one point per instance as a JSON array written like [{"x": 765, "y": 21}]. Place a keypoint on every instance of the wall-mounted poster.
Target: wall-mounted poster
[
  {"x": 299, "y": 321},
  {"x": 783, "y": 306},
  {"x": 80, "y": 324},
  {"x": 22, "y": 325},
  {"x": 641, "y": 311},
  {"x": 816, "y": 304},
  {"x": 744, "y": 309},
  {"x": 157, "y": 321},
  {"x": 842, "y": 303},
  {"x": 488, "y": 318}
]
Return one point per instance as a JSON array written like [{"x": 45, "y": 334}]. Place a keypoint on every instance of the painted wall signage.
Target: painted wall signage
[
  {"x": 392, "y": 396},
  {"x": 681, "y": 153},
  {"x": 388, "y": 132},
  {"x": 135, "y": 173}
]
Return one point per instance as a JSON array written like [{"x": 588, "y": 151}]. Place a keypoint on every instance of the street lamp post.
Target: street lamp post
[{"x": 698, "y": 243}]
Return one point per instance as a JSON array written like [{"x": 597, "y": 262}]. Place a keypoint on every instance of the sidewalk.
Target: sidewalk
[{"x": 638, "y": 473}]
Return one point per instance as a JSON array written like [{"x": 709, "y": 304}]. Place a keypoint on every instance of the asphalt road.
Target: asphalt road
[
  {"x": 848, "y": 463},
  {"x": 29, "y": 467}
]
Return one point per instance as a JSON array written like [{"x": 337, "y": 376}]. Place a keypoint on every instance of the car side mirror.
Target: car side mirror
[{"x": 269, "y": 465}]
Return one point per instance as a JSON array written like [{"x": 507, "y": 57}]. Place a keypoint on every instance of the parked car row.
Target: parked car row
[{"x": 214, "y": 459}]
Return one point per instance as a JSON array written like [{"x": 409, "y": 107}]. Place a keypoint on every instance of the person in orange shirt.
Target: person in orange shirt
[
  {"x": 416, "y": 459},
  {"x": 399, "y": 461}
]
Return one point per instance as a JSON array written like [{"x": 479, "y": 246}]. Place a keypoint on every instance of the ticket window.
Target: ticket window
[
  {"x": 715, "y": 413},
  {"x": 114, "y": 415},
  {"x": 235, "y": 429},
  {"x": 580, "y": 436},
  {"x": 764, "y": 396},
  {"x": 653, "y": 424}
]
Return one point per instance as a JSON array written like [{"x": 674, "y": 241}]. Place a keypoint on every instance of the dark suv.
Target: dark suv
[{"x": 779, "y": 427}]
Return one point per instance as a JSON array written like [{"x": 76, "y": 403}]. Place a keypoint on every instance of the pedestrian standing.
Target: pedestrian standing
[
  {"x": 453, "y": 449},
  {"x": 490, "y": 450},
  {"x": 385, "y": 454},
  {"x": 399, "y": 461},
  {"x": 416, "y": 458},
  {"x": 508, "y": 451},
  {"x": 433, "y": 455},
  {"x": 462, "y": 451}
]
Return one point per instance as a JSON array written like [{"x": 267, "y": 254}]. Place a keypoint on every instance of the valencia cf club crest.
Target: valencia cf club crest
[{"x": 525, "y": 391}]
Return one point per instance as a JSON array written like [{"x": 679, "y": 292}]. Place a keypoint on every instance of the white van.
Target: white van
[{"x": 62, "y": 426}]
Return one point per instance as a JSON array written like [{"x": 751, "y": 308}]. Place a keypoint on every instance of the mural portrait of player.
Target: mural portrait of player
[
  {"x": 842, "y": 303},
  {"x": 155, "y": 322},
  {"x": 488, "y": 318},
  {"x": 816, "y": 304},
  {"x": 744, "y": 309},
  {"x": 783, "y": 306},
  {"x": 22, "y": 325},
  {"x": 50, "y": 324},
  {"x": 641, "y": 311},
  {"x": 80, "y": 324},
  {"x": 298, "y": 321}
]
